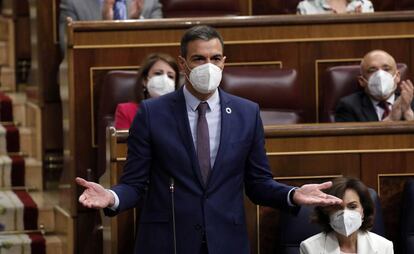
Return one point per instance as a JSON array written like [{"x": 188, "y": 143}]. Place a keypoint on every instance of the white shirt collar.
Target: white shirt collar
[
  {"x": 193, "y": 101},
  {"x": 390, "y": 100}
]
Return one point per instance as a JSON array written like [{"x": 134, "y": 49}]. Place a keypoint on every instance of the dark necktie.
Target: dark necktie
[
  {"x": 385, "y": 106},
  {"x": 203, "y": 141}
]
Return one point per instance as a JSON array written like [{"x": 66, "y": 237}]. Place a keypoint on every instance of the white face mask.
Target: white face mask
[
  {"x": 381, "y": 84},
  {"x": 205, "y": 78},
  {"x": 159, "y": 85},
  {"x": 345, "y": 222}
]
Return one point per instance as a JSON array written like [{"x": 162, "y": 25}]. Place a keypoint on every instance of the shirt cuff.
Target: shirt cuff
[
  {"x": 116, "y": 204},
  {"x": 290, "y": 197}
]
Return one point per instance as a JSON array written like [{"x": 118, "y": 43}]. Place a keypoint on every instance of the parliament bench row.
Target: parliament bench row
[
  {"x": 275, "y": 90},
  {"x": 190, "y": 8},
  {"x": 271, "y": 231}
]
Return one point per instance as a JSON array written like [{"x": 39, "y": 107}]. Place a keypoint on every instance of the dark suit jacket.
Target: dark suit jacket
[
  {"x": 357, "y": 107},
  {"x": 160, "y": 147}
]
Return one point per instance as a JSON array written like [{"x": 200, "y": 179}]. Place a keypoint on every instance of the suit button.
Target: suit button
[{"x": 197, "y": 227}]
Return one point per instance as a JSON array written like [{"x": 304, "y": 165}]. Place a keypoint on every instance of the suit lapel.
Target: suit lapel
[
  {"x": 181, "y": 117},
  {"x": 368, "y": 109}
]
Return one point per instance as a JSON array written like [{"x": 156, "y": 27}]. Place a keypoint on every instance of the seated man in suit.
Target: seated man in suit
[
  {"x": 380, "y": 100},
  {"x": 79, "y": 10}
]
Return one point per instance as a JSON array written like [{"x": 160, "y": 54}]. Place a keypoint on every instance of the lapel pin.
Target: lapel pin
[{"x": 228, "y": 110}]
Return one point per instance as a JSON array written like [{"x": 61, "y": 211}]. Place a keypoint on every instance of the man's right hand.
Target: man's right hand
[{"x": 94, "y": 195}]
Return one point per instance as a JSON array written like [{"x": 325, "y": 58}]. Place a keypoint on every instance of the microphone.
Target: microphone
[{"x": 172, "y": 189}]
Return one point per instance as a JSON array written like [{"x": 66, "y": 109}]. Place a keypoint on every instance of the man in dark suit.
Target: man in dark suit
[
  {"x": 379, "y": 101},
  {"x": 207, "y": 147}
]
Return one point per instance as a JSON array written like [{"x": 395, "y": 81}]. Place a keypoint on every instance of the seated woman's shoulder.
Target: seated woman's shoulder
[
  {"x": 305, "y": 7},
  {"x": 314, "y": 242},
  {"x": 126, "y": 105},
  {"x": 380, "y": 241}
]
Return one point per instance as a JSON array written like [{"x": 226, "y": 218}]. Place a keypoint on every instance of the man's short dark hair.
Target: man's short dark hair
[
  {"x": 204, "y": 33},
  {"x": 338, "y": 188}
]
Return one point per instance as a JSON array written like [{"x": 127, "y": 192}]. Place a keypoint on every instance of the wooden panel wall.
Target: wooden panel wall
[{"x": 305, "y": 43}]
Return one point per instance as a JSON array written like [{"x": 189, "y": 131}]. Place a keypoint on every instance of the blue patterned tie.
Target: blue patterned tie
[
  {"x": 203, "y": 141},
  {"x": 120, "y": 11}
]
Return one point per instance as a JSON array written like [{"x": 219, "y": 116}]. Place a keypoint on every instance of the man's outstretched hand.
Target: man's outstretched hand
[
  {"x": 94, "y": 195},
  {"x": 311, "y": 194}
]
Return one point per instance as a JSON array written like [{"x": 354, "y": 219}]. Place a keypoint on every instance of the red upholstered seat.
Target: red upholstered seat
[
  {"x": 275, "y": 90},
  {"x": 117, "y": 87},
  {"x": 393, "y": 5},
  {"x": 273, "y": 7},
  {"x": 340, "y": 81},
  {"x": 204, "y": 8}
]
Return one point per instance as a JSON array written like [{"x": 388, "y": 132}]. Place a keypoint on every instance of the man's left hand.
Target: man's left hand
[{"x": 311, "y": 194}]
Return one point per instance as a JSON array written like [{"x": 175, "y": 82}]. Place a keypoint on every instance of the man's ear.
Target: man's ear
[
  {"x": 181, "y": 63},
  {"x": 224, "y": 61},
  {"x": 362, "y": 81},
  {"x": 397, "y": 77}
]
